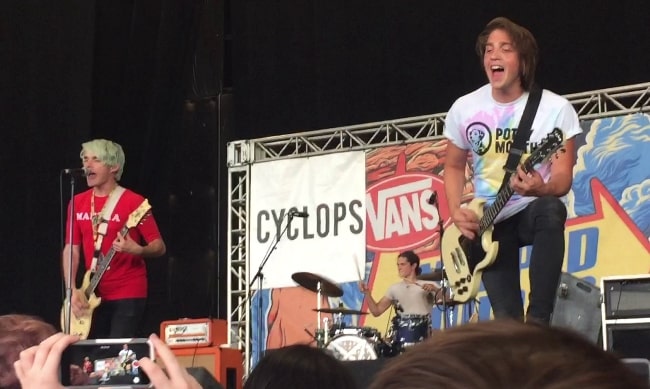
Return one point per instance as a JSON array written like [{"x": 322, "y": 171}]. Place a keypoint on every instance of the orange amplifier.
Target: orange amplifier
[{"x": 191, "y": 333}]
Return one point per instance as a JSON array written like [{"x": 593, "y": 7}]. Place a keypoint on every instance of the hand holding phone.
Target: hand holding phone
[
  {"x": 106, "y": 362},
  {"x": 38, "y": 366},
  {"x": 47, "y": 365},
  {"x": 176, "y": 377}
]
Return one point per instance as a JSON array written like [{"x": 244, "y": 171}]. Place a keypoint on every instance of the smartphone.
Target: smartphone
[{"x": 106, "y": 362}]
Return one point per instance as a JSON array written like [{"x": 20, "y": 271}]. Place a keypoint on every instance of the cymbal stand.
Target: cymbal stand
[
  {"x": 320, "y": 336},
  {"x": 326, "y": 330}
]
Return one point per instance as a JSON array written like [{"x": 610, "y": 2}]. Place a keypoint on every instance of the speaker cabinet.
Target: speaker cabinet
[
  {"x": 225, "y": 364},
  {"x": 626, "y": 315},
  {"x": 203, "y": 376},
  {"x": 630, "y": 340}
]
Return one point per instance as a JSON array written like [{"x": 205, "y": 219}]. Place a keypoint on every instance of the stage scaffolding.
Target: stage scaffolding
[{"x": 242, "y": 154}]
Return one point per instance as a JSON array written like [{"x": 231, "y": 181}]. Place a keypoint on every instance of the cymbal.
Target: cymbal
[
  {"x": 435, "y": 275},
  {"x": 310, "y": 281},
  {"x": 340, "y": 310}
]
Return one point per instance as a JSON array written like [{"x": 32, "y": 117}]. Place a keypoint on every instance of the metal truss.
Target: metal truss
[
  {"x": 612, "y": 101},
  {"x": 242, "y": 154}
]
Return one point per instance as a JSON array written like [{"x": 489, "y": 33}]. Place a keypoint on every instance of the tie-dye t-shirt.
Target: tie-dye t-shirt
[{"x": 478, "y": 123}]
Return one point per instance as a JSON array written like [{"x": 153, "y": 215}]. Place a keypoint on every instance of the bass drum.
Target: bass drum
[{"x": 348, "y": 347}]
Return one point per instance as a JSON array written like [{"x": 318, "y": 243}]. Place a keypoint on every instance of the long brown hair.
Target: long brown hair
[
  {"x": 17, "y": 333},
  {"x": 506, "y": 354},
  {"x": 523, "y": 41}
]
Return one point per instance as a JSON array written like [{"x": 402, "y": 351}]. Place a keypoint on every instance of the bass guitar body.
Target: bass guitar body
[
  {"x": 80, "y": 326},
  {"x": 463, "y": 271}
]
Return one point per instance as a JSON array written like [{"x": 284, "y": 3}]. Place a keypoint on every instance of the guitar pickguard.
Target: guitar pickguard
[{"x": 463, "y": 271}]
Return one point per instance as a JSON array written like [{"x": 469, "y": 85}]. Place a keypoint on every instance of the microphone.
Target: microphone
[
  {"x": 298, "y": 214},
  {"x": 82, "y": 171},
  {"x": 433, "y": 200}
]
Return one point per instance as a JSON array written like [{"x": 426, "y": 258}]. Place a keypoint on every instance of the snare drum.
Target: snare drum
[
  {"x": 349, "y": 347},
  {"x": 410, "y": 329}
]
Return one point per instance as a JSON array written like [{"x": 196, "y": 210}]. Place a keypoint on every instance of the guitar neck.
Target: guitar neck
[
  {"x": 503, "y": 196},
  {"x": 552, "y": 142},
  {"x": 493, "y": 210},
  {"x": 102, "y": 265}
]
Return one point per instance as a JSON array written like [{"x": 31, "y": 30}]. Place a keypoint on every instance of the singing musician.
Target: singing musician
[
  {"x": 411, "y": 296},
  {"x": 100, "y": 213},
  {"x": 535, "y": 215}
]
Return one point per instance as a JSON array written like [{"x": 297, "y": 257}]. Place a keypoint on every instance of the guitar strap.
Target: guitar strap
[
  {"x": 518, "y": 146},
  {"x": 102, "y": 228}
]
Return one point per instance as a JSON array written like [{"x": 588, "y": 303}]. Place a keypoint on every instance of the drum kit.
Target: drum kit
[{"x": 362, "y": 343}]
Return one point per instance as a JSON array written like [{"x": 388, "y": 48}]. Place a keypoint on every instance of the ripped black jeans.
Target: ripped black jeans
[{"x": 541, "y": 224}]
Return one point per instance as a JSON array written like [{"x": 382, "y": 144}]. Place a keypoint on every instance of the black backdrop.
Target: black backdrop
[
  {"x": 303, "y": 65},
  {"x": 160, "y": 76}
]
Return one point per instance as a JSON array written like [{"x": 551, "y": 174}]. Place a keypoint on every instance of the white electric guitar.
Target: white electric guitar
[
  {"x": 80, "y": 326},
  {"x": 463, "y": 271}
]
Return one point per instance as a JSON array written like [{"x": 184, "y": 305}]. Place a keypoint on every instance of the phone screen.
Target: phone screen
[{"x": 108, "y": 362}]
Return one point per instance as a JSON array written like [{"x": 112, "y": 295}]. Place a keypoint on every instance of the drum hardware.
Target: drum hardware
[
  {"x": 342, "y": 311},
  {"x": 322, "y": 287},
  {"x": 321, "y": 335},
  {"x": 326, "y": 331}
]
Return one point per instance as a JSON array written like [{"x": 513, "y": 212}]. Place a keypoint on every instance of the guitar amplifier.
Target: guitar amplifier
[
  {"x": 192, "y": 333},
  {"x": 626, "y": 315},
  {"x": 577, "y": 307}
]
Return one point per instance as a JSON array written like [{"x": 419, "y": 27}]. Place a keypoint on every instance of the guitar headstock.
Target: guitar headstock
[
  {"x": 139, "y": 214},
  {"x": 554, "y": 139},
  {"x": 549, "y": 146}
]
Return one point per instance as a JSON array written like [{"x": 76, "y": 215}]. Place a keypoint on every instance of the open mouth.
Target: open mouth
[{"x": 496, "y": 69}]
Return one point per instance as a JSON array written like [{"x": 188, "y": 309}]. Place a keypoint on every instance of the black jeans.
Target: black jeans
[
  {"x": 117, "y": 318},
  {"x": 541, "y": 224}
]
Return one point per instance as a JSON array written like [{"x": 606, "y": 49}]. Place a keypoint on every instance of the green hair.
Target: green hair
[{"x": 110, "y": 153}]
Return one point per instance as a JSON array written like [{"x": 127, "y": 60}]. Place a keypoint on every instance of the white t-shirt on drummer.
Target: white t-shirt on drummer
[{"x": 412, "y": 298}]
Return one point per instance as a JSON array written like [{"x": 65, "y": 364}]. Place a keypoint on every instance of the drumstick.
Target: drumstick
[{"x": 357, "y": 267}]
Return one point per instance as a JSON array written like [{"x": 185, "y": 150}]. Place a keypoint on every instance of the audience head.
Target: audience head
[
  {"x": 299, "y": 366},
  {"x": 17, "y": 333},
  {"x": 506, "y": 354}
]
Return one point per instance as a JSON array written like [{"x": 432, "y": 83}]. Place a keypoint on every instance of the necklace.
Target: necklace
[{"x": 97, "y": 218}]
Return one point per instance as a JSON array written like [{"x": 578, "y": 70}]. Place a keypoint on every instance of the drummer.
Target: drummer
[{"x": 410, "y": 296}]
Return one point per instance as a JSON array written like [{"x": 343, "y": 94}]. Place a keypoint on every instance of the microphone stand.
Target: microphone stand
[
  {"x": 433, "y": 200},
  {"x": 67, "y": 310},
  {"x": 259, "y": 276}
]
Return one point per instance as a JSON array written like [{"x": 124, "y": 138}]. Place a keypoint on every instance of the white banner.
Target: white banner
[{"x": 330, "y": 241}]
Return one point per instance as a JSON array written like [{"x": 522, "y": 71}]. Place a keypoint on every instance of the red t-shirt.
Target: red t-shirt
[{"x": 126, "y": 277}]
